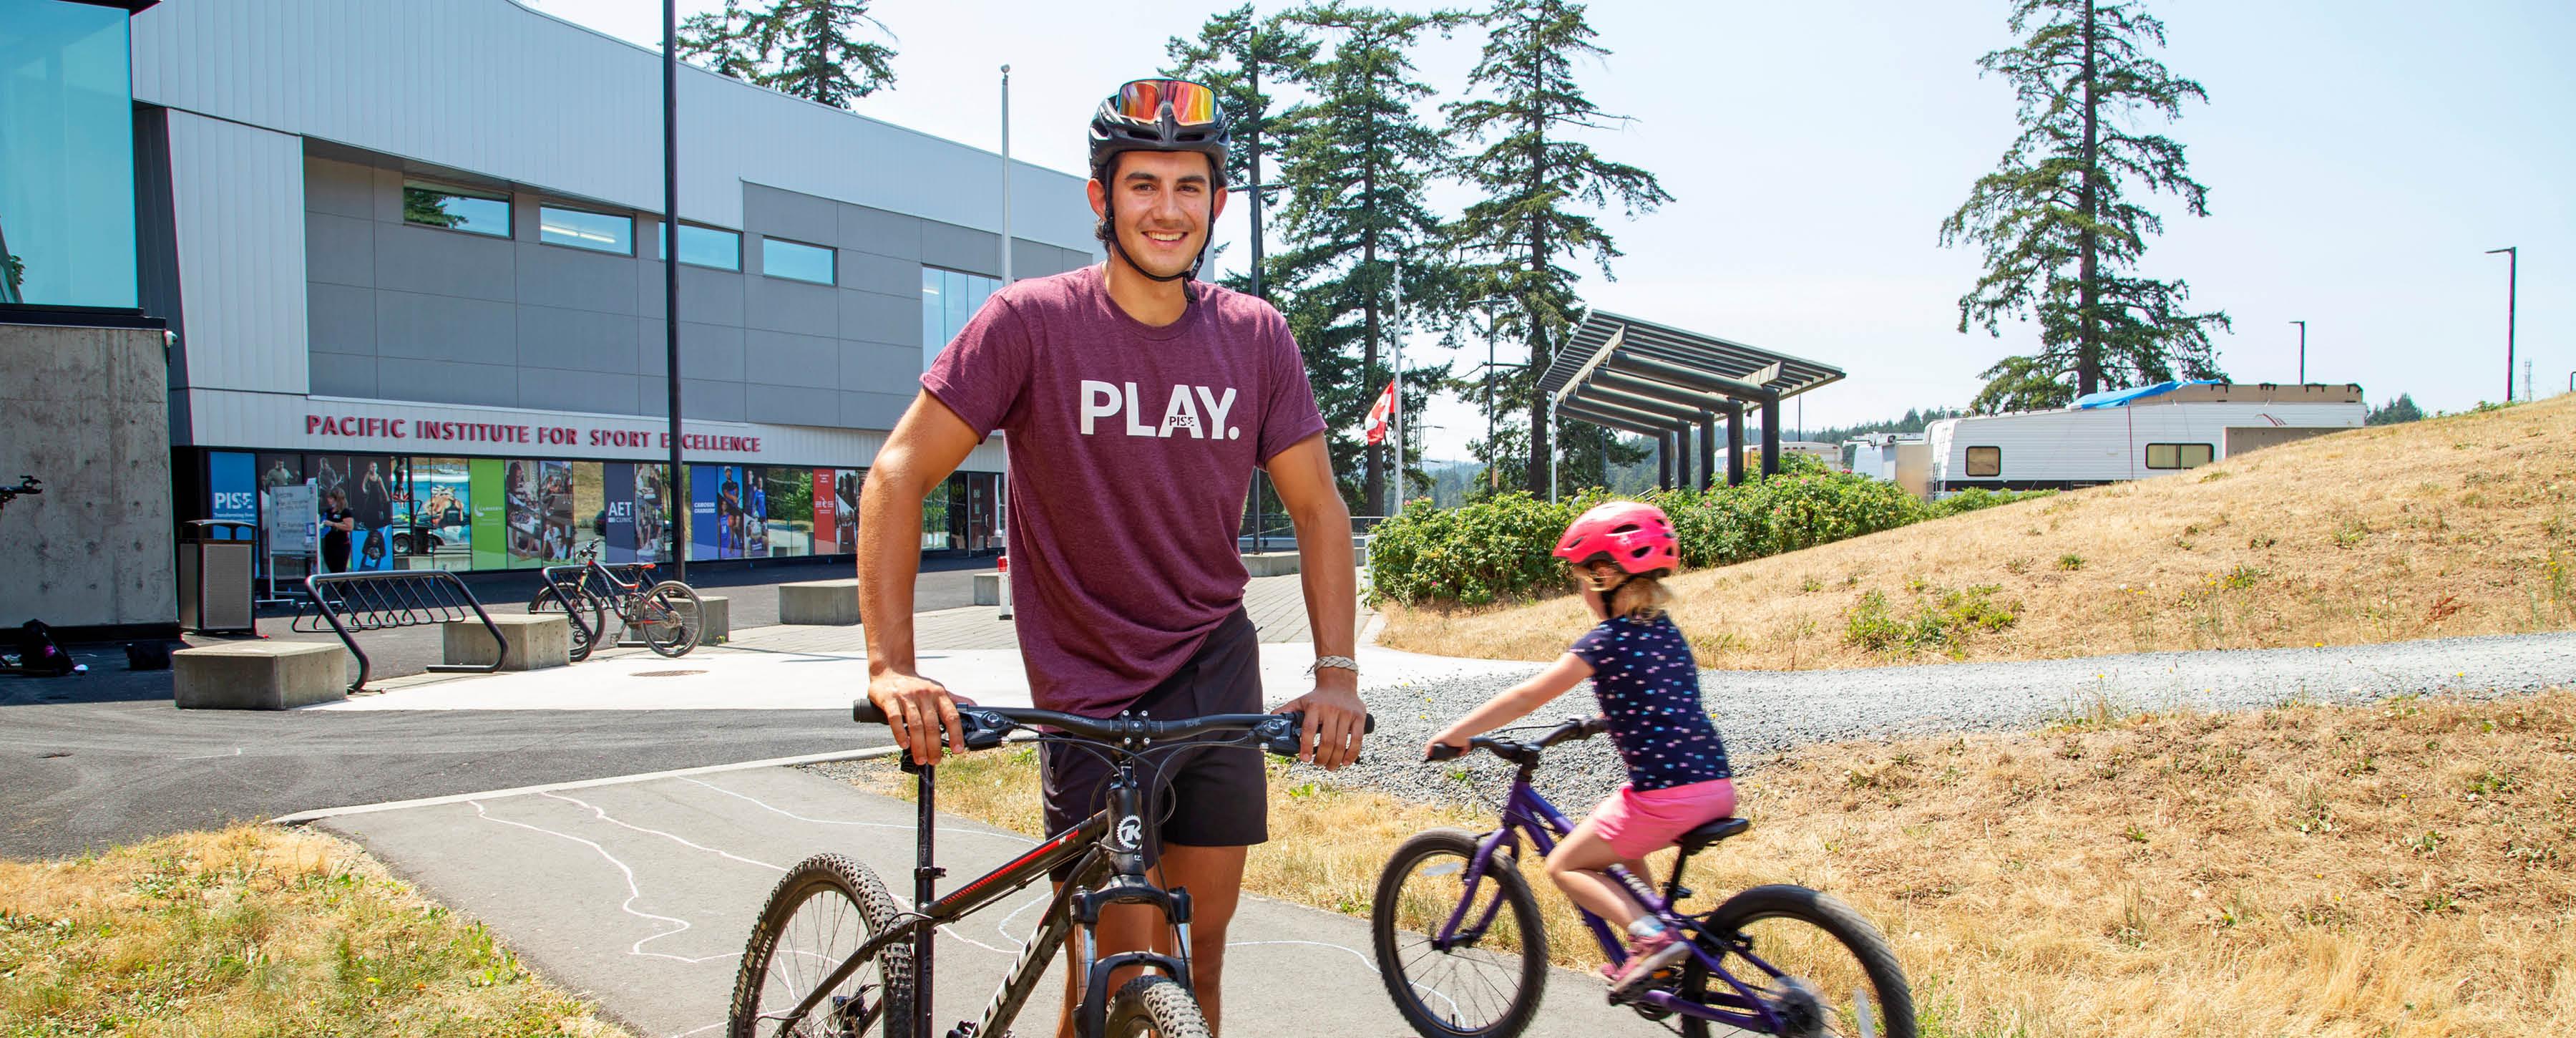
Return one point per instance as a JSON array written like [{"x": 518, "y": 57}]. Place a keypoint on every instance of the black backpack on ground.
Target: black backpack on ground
[{"x": 39, "y": 654}]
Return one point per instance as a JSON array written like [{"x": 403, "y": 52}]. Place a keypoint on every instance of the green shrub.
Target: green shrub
[
  {"x": 1944, "y": 620},
  {"x": 1979, "y": 498},
  {"x": 1476, "y": 554}
]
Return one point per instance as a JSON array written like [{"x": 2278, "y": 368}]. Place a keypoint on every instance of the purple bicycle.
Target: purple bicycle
[{"x": 1464, "y": 953}]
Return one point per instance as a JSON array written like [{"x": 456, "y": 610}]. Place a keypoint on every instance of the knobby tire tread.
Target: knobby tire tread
[
  {"x": 1159, "y": 1003},
  {"x": 877, "y": 907}
]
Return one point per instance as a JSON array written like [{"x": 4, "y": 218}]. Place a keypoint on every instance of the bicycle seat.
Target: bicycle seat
[{"x": 1701, "y": 837}]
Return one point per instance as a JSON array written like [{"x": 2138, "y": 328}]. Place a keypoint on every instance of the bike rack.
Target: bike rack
[
  {"x": 384, "y": 601},
  {"x": 570, "y": 578}
]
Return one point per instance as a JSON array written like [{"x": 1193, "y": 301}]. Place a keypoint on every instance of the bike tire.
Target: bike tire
[
  {"x": 861, "y": 910},
  {"x": 1889, "y": 1011},
  {"x": 672, "y": 616},
  {"x": 549, "y": 599},
  {"x": 1409, "y": 978},
  {"x": 1158, "y": 1006}
]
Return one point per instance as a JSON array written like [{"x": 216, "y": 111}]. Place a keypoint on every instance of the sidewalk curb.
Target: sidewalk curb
[{"x": 302, "y": 817}]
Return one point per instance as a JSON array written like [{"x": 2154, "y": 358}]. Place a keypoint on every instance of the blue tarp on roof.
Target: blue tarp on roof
[{"x": 2117, "y": 397}]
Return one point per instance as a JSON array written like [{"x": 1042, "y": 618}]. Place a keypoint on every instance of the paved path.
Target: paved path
[{"x": 640, "y": 897}]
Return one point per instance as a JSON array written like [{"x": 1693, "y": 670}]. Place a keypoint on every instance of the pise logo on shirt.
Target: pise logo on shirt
[{"x": 1196, "y": 410}]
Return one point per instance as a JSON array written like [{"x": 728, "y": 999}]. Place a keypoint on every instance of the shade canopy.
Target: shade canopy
[{"x": 1655, "y": 380}]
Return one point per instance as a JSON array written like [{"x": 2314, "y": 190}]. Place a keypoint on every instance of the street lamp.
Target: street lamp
[
  {"x": 2303, "y": 351},
  {"x": 1493, "y": 473},
  {"x": 2512, "y": 274}
]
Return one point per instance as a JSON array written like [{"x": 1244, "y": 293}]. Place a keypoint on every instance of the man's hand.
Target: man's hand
[
  {"x": 1336, "y": 720},
  {"x": 918, "y": 711}
]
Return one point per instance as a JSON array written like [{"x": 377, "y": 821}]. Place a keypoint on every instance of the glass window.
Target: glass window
[
  {"x": 474, "y": 212},
  {"x": 586, "y": 230},
  {"x": 796, "y": 261},
  {"x": 2178, "y": 455},
  {"x": 700, "y": 246},
  {"x": 1985, "y": 461},
  {"x": 66, "y": 156},
  {"x": 949, "y": 299}
]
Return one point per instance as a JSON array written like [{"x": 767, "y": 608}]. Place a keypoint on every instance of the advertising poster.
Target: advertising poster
[
  {"x": 373, "y": 489},
  {"x": 442, "y": 517},
  {"x": 787, "y": 495},
  {"x": 826, "y": 532},
  {"x": 491, "y": 539},
  {"x": 228, "y": 476},
  {"x": 617, "y": 522},
  {"x": 845, "y": 508},
  {"x": 540, "y": 512},
  {"x": 276, "y": 471},
  {"x": 705, "y": 527},
  {"x": 589, "y": 507},
  {"x": 653, "y": 495}
]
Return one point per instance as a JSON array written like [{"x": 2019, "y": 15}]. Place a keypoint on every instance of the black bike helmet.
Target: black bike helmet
[{"x": 1157, "y": 115}]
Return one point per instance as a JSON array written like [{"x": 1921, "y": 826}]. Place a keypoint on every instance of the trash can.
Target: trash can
[{"x": 218, "y": 563}]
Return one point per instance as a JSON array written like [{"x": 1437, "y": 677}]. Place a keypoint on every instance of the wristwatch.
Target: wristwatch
[{"x": 1343, "y": 662}]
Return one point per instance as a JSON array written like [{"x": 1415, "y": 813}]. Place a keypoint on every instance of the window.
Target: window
[
  {"x": 474, "y": 212},
  {"x": 796, "y": 261},
  {"x": 2177, "y": 455},
  {"x": 700, "y": 246},
  {"x": 1985, "y": 461},
  {"x": 66, "y": 156},
  {"x": 586, "y": 230},
  {"x": 948, "y": 299}
]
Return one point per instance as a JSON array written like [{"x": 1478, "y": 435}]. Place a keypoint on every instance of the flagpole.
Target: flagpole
[{"x": 1395, "y": 416}]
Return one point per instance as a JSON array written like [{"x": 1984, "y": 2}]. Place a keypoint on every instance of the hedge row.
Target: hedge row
[{"x": 1496, "y": 549}]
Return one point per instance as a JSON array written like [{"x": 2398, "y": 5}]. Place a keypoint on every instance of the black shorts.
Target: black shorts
[{"x": 1213, "y": 797}]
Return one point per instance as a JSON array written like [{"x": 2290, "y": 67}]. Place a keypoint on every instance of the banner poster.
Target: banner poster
[
  {"x": 755, "y": 514},
  {"x": 705, "y": 526},
  {"x": 442, "y": 518},
  {"x": 372, "y": 487},
  {"x": 293, "y": 520},
  {"x": 228, "y": 477},
  {"x": 617, "y": 520},
  {"x": 653, "y": 497},
  {"x": 826, "y": 534},
  {"x": 491, "y": 539},
  {"x": 845, "y": 508},
  {"x": 589, "y": 508},
  {"x": 787, "y": 497},
  {"x": 281, "y": 470},
  {"x": 540, "y": 519}
]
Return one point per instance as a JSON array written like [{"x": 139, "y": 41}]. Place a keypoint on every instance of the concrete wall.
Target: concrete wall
[{"x": 86, "y": 410}]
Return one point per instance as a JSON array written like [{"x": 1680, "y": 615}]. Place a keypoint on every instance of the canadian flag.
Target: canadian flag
[{"x": 1379, "y": 413}]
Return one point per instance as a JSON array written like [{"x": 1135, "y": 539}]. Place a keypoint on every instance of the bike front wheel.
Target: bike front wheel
[
  {"x": 671, "y": 617},
  {"x": 1486, "y": 980},
  {"x": 825, "y": 908},
  {"x": 1812, "y": 961},
  {"x": 578, "y": 610},
  {"x": 1155, "y": 1006}
]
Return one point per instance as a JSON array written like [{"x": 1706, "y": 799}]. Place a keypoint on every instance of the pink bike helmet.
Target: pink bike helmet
[{"x": 1635, "y": 535}]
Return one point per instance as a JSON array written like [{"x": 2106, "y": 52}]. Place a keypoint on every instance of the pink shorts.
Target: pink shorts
[{"x": 1636, "y": 824}]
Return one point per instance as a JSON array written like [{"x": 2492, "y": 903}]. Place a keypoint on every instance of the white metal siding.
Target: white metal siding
[
  {"x": 237, "y": 196},
  {"x": 2110, "y": 443},
  {"x": 491, "y": 87}
]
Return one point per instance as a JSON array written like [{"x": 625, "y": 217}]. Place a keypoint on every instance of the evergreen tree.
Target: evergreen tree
[
  {"x": 2397, "y": 411},
  {"x": 1356, "y": 162},
  {"x": 1532, "y": 174},
  {"x": 806, "y": 48},
  {"x": 1235, "y": 53},
  {"x": 2061, "y": 234}
]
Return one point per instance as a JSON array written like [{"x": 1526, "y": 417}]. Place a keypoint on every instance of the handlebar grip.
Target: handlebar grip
[
  {"x": 865, "y": 712},
  {"x": 1442, "y": 752}
]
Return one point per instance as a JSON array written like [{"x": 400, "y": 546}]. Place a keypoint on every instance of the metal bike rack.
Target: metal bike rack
[{"x": 384, "y": 601}]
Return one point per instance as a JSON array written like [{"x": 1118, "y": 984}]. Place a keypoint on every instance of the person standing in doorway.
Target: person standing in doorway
[{"x": 337, "y": 522}]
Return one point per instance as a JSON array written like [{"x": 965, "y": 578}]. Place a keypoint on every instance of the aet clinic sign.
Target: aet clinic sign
[{"x": 432, "y": 431}]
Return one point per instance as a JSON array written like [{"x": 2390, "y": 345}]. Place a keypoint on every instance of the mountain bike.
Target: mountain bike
[
  {"x": 1777, "y": 959},
  {"x": 834, "y": 954},
  {"x": 668, "y": 613}
]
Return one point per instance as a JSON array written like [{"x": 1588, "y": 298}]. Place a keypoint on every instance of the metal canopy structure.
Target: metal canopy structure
[{"x": 1655, "y": 380}]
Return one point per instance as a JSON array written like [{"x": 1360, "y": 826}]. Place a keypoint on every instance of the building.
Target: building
[
  {"x": 413, "y": 252},
  {"x": 2125, "y": 434}
]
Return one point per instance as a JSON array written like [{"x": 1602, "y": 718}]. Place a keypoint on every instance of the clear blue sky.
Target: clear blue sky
[{"x": 2360, "y": 157}]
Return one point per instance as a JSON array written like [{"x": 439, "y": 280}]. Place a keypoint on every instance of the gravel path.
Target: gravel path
[{"x": 1763, "y": 714}]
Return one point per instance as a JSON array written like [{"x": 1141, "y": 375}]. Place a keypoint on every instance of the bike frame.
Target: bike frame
[
  {"x": 1109, "y": 871},
  {"x": 620, "y": 595},
  {"x": 1530, "y": 816}
]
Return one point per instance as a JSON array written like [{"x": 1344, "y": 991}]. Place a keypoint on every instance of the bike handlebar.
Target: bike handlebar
[
  {"x": 985, "y": 726},
  {"x": 1515, "y": 750}
]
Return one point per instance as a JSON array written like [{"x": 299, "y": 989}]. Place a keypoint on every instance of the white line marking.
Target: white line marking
[
  {"x": 633, "y": 893},
  {"x": 603, "y": 816},
  {"x": 702, "y": 1030},
  {"x": 237, "y": 751},
  {"x": 302, "y": 817},
  {"x": 863, "y": 825}
]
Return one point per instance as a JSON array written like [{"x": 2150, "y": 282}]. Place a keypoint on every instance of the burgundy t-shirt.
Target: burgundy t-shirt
[{"x": 1131, "y": 450}]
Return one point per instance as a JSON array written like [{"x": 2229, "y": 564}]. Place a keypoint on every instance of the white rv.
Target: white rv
[{"x": 2131, "y": 434}]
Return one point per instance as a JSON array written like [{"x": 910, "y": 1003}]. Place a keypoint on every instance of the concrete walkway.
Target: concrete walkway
[{"x": 639, "y": 897}]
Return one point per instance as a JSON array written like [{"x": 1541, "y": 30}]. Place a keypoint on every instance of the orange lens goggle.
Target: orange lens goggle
[{"x": 1143, "y": 100}]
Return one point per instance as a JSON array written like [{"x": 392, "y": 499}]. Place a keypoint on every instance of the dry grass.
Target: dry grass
[
  {"x": 2450, "y": 526},
  {"x": 2401, "y": 869},
  {"x": 253, "y": 931}
]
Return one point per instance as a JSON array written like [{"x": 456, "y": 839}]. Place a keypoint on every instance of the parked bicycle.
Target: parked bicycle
[
  {"x": 1777, "y": 959},
  {"x": 834, "y": 954},
  {"x": 667, "y": 614}
]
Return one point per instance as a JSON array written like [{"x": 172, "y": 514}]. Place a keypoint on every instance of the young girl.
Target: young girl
[{"x": 1648, "y": 683}]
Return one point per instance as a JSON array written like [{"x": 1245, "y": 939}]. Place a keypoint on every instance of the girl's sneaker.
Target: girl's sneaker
[{"x": 1646, "y": 956}]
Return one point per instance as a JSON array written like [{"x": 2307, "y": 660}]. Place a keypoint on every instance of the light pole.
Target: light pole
[
  {"x": 2303, "y": 351},
  {"x": 671, "y": 281},
  {"x": 1494, "y": 474},
  {"x": 2512, "y": 274},
  {"x": 1006, "y": 176}
]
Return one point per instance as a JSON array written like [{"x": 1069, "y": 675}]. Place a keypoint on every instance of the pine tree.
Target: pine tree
[
  {"x": 2061, "y": 234},
  {"x": 1532, "y": 174},
  {"x": 1356, "y": 161},
  {"x": 805, "y": 48},
  {"x": 2396, "y": 412}
]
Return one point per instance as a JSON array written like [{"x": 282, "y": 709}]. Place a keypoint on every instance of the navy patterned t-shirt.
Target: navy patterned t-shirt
[{"x": 1648, "y": 683}]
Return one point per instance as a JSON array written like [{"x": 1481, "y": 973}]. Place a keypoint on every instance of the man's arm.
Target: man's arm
[
  {"x": 928, "y": 444},
  {"x": 1335, "y": 718}
]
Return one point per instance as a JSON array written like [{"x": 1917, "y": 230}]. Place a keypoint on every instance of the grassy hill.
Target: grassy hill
[{"x": 2450, "y": 526}]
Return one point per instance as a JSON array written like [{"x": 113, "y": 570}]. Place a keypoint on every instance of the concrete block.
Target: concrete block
[
  {"x": 1270, "y": 564},
  {"x": 834, "y": 602},
  {"x": 259, "y": 675},
  {"x": 715, "y": 619},
  {"x": 988, "y": 588},
  {"x": 533, "y": 642}
]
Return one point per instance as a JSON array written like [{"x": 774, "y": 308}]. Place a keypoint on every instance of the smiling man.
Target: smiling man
[{"x": 1138, "y": 402}]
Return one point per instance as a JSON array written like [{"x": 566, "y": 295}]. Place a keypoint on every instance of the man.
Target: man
[{"x": 1138, "y": 403}]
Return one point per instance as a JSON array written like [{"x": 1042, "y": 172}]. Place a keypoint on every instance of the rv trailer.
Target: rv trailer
[{"x": 2131, "y": 434}]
